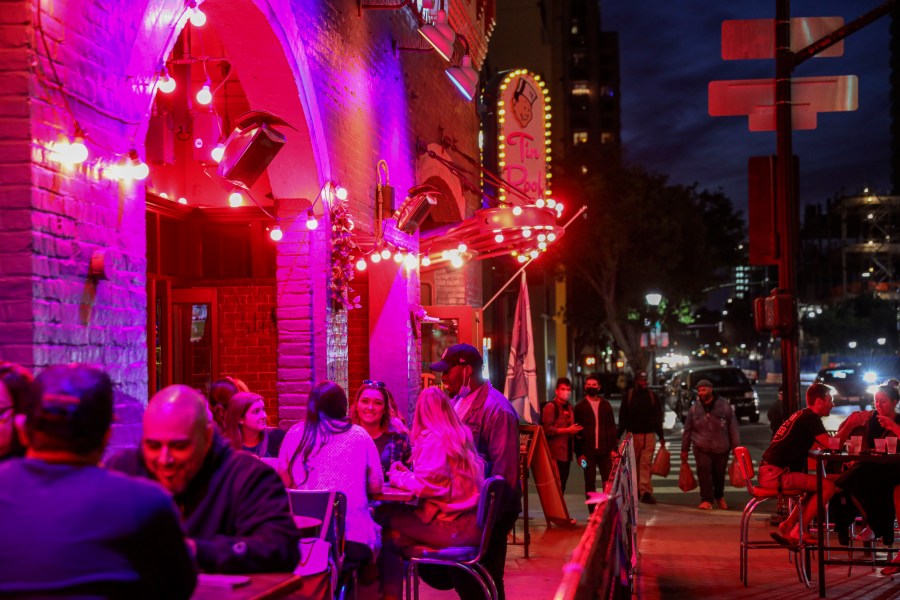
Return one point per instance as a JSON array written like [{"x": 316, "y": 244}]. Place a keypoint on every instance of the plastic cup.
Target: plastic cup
[
  {"x": 880, "y": 445},
  {"x": 891, "y": 443},
  {"x": 834, "y": 443},
  {"x": 856, "y": 440}
]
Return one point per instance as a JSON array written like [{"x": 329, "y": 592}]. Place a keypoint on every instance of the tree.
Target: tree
[
  {"x": 640, "y": 234},
  {"x": 863, "y": 319}
]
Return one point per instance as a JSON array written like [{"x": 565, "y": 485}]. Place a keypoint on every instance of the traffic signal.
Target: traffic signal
[{"x": 776, "y": 313}]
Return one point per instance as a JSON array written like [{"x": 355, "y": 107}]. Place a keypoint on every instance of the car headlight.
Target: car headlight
[{"x": 870, "y": 377}]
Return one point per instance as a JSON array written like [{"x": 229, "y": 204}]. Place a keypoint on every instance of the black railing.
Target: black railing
[{"x": 603, "y": 563}]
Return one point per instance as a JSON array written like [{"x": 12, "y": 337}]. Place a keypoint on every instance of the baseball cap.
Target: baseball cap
[
  {"x": 460, "y": 354},
  {"x": 704, "y": 383}
]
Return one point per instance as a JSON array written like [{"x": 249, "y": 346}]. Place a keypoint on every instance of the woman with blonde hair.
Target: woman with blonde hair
[
  {"x": 371, "y": 410},
  {"x": 245, "y": 426},
  {"x": 447, "y": 476}
]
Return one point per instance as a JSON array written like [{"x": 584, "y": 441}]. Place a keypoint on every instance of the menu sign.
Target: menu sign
[{"x": 522, "y": 133}]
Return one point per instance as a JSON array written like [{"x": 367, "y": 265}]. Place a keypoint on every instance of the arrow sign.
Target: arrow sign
[
  {"x": 755, "y": 38},
  {"x": 756, "y": 99}
]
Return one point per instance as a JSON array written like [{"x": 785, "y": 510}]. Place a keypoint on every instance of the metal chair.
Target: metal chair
[
  {"x": 314, "y": 503},
  {"x": 758, "y": 496},
  {"x": 462, "y": 557}
]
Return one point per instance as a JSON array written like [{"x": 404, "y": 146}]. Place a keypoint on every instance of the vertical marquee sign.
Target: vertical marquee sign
[{"x": 516, "y": 143}]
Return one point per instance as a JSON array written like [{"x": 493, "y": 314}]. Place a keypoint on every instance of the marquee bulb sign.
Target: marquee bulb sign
[{"x": 523, "y": 135}]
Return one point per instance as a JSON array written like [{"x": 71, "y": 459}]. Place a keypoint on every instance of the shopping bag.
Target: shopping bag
[
  {"x": 686, "y": 479},
  {"x": 661, "y": 464},
  {"x": 735, "y": 476},
  {"x": 315, "y": 554}
]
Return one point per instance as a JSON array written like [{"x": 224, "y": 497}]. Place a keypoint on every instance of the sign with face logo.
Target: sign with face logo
[{"x": 523, "y": 130}]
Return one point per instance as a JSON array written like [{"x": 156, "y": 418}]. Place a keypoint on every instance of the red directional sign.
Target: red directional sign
[
  {"x": 809, "y": 96},
  {"x": 755, "y": 38}
]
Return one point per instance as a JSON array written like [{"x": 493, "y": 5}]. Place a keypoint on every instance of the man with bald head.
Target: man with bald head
[{"x": 236, "y": 511}]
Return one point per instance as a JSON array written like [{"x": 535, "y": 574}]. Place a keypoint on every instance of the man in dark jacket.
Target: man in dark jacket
[
  {"x": 236, "y": 511},
  {"x": 641, "y": 415},
  {"x": 597, "y": 439},
  {"x": 558, "y": 422}
]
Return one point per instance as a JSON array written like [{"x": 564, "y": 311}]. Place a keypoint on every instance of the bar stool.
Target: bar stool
[{"x": 758, "y": 496}]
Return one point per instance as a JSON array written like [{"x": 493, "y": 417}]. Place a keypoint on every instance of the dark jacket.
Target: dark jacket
[
  {"x": 713, "y": 431},
  {"x": 553, "y": 417},
  {"x": 641, "y": 412},
  {"x": 236, "y": 510},
  {"x": 584, "y": 439}
]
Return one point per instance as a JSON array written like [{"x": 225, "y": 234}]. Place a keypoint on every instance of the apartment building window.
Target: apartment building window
[
  {"x": 607, "y": 137},
  {"x": 579, "y": 137},
  {"x": 580, "y": 89}
]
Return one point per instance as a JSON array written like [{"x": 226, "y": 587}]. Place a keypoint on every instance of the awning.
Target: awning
[{"x": 519, "y": 231}]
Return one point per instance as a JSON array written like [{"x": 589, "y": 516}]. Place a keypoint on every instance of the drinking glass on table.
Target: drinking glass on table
[
  {"x": 880, "y": 444},
  {"x": 834, "y": 442},
  {"x": 891, "y": 443},
  {"x": 856, "y": 440}
]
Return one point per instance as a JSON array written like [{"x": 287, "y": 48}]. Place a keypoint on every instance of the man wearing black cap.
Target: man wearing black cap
[
  {"x": 71, "y": 529},
  {"x": 641, "y": 415},
  {"x": 495, "y": 429},
  {"x": 712, "y": 429}
]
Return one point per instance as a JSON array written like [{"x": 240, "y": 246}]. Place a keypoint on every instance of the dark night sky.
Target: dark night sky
[{"x": 670, "y": 51}]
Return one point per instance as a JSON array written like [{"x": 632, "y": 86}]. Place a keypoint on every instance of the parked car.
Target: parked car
[
  {"x": 728, "y": 382},
  {"x": 850, "y": 383}
]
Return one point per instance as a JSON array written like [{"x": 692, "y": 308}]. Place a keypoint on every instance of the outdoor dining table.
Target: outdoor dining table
[
  {"x": 262, "y": 586},
  {"x": 839, "y": 456},
  {"x": 392, "y": 494}
]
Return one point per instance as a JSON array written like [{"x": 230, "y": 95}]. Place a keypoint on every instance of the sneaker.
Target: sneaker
[
  {"x": 705, "y": 505},
  {"x": 865, "y": 535},
  {"x": 721, "y": 504},
  {"x": 647, "y": 498}
]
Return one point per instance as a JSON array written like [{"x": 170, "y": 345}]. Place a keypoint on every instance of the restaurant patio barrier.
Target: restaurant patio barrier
[{"x": 603, "y": 563}]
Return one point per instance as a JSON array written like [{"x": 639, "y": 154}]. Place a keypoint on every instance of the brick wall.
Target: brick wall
[
  {"x": 358, "y": 335},
  {"x": 248, "y": 338}
]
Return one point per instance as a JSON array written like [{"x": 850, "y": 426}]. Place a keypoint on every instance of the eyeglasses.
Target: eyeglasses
[{"x": 378, "y": 384}]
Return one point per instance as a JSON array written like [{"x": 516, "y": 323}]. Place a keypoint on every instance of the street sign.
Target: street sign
[
  {"x": 756, "y": 99},
  {"x": 755, "y": 38}
]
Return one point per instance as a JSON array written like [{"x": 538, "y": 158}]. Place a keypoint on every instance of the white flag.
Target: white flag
[{"x": 521, "y": 374}]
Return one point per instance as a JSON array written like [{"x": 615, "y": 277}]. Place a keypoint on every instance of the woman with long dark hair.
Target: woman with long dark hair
[
  {"x": 371, "y": 410},
  {"x": 447, "y": 477},
  {"x": 328, "y": 452},
  {"x": 245, "y": 426}
]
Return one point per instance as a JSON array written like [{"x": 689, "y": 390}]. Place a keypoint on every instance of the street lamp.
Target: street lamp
[{"x": 653, "y": 299}]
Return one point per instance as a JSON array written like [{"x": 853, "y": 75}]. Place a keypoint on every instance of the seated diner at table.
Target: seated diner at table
[
  {"x": 784, "y": 463},
  {"x": 15, "y": 387},
  {"x": 328, "y": 452},
  {"x": 245, "y": 426},
  {"x": 371, "y": 411},
  {"x": 871, "y": 485},
  {"x": 447, "y": 476}
]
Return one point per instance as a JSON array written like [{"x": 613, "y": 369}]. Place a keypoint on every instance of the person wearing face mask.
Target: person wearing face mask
[
  {"x": 641, "y": 415},
  {"x": 596, "y": 441},
  {"x": 495, "y": 430},
  {"x": 558, "y": 421}
]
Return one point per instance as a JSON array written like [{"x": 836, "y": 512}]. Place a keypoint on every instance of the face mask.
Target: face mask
[
  {"x": 564, "y": 394},
  {"x": 464, "y": 390},
  {"x": 591, "y": 392}
]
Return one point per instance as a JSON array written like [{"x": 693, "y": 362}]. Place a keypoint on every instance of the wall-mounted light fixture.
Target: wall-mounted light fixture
[
  {"x": 250, "y": 148},
  {"x": 440, "y": 35},
  {"x": 464, "y": 77},
  {"x": 415, "y": 209}
]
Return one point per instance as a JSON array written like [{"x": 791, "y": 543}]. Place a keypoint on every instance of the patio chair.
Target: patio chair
[
  {"x": 314, "y": 503},
  {"x": 462, "y": 557},
  {"x": 758, "y": 496}
]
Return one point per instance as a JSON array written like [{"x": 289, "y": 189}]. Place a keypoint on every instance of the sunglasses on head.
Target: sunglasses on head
[{"x": 378, "y": 384}]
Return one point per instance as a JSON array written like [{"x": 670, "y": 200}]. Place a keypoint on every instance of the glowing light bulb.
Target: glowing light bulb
[
  {"x": 204, "y": 96},
  {"x": 140, "y": 171},
  {"x": 533, "y": 254},
  {"x": 218, "y": 152},
  {"x": 164, "y": 195},
  {"x": 542, "y": 245},
  {"x": 166, "y": 83},
  {"x": 551, "y": 202},
  {"x": 398, "y": 257},
  {"x": 425, "y": 261},
  {"x": 276, "y": 234},
  {"x": 559, "y": 208},
  {"x": 198, "y": 17},
  {"x": 517, "y": 210},
  {"x": 521, "y": 258},
  {"x": 551, "y": 237},
  {"x": 311, "y": 222},
  {"x": 462, "y": 247},
  {"x": 457, "y": 261},
  {"x": 411, "y": 261},
  {"x": 375, "y": 258},
  {"x": 526, "y": 233},
  {"x": 77, "y": 152},
  {"x": 539, "y": 203},
  {"x": 498, "y": 238},
  {"x": 542, "y": 237},
  {"x": 340, "y": 193},
  {"x": 361, "y": 264},
  {"x": 385, "y": 254},
  {"x": 182, "y": 200},
  {"x": 235, "y": 199}
]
